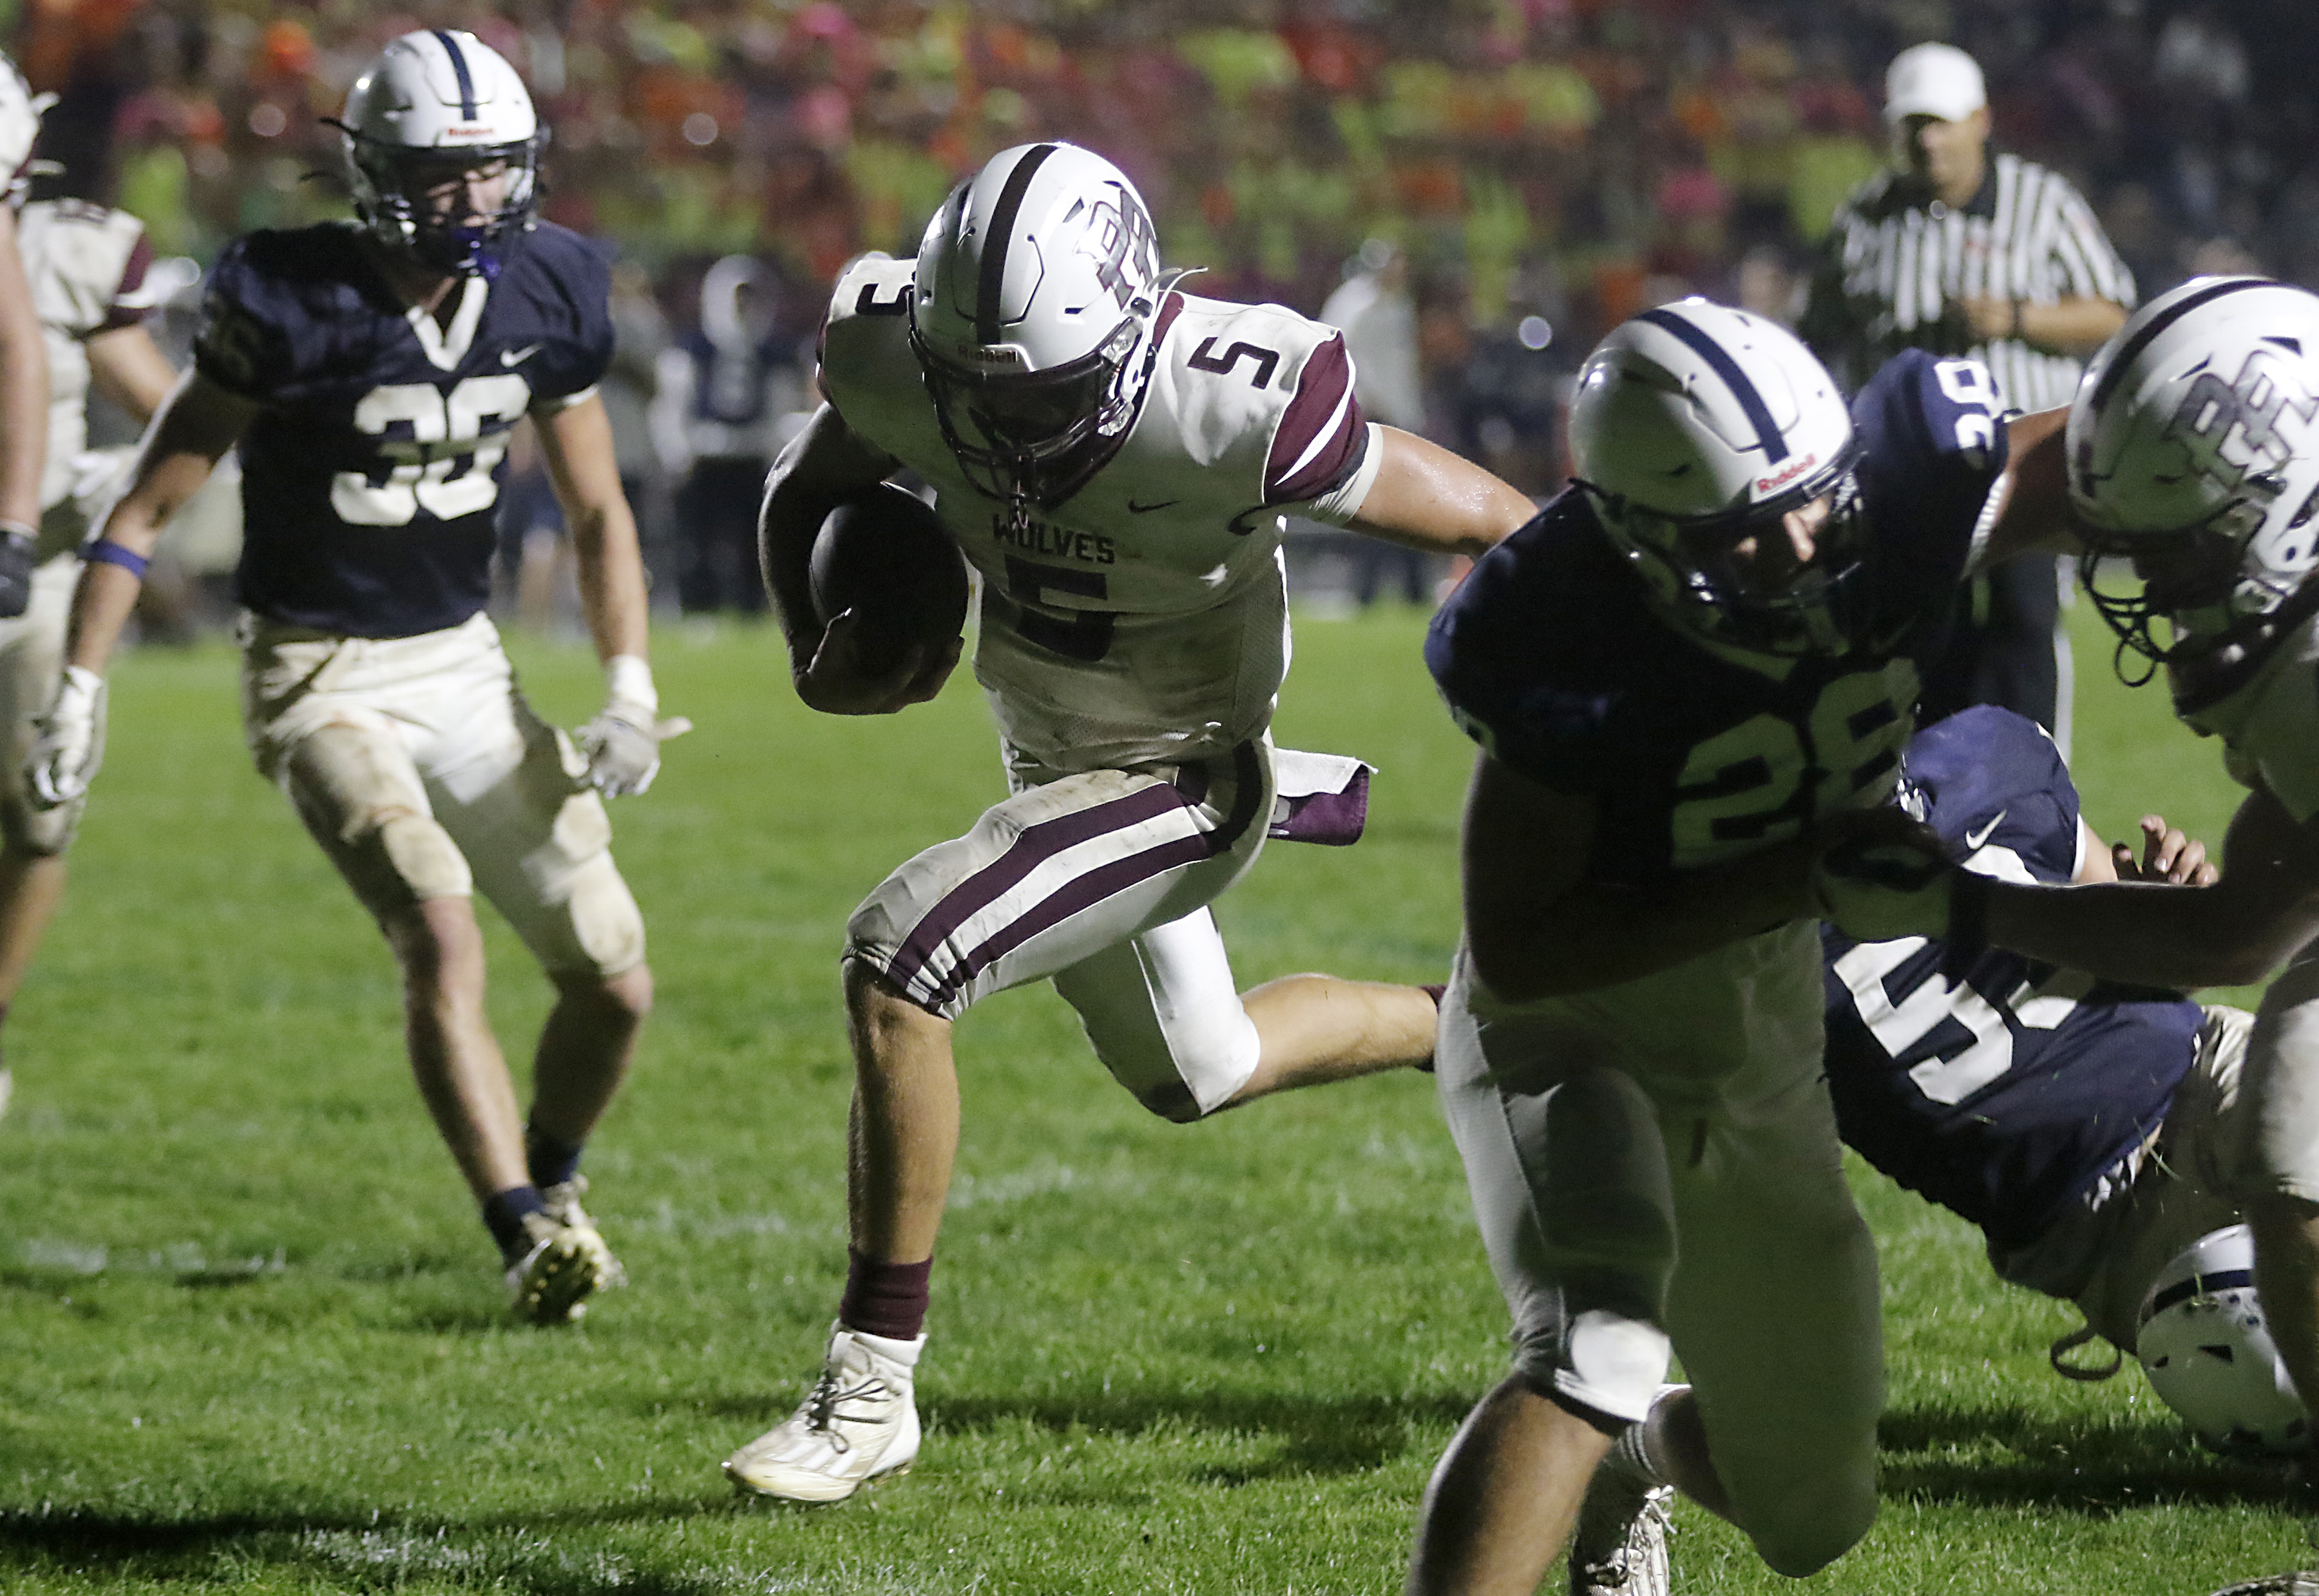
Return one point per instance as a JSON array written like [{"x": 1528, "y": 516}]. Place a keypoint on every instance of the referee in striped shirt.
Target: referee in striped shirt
[{"x": 1964, "y": 251}]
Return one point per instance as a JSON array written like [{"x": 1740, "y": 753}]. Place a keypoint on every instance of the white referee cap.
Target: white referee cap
[{"x": 1934, "y": 80}]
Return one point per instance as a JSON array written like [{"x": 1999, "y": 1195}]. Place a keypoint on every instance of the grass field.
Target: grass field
[{"x": 251, "y": 1335}]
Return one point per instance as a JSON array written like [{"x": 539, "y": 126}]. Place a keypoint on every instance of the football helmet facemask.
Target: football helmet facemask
[
  {"x": 2194, "y": 452},
  {"x": 436, "y": 105},
  {"x": 1037, "y": 287},
  {"x": 1695, "y": 430},
  {"x": 2204, "y": 1344}
]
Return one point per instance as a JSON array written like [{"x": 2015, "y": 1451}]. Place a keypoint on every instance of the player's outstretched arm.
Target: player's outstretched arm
[
  {"x": 622, "y": 743},
  {"x": 826, "y": 464},
  {"x": 2264, "y": 908},
  {"x": 23, "y": 422},
  {"x": 2033, "y": 495},
  {"x": 1537, "y": 926},
  {"x": 198, "y": 422},
  {"x": 1425, "y": 498},
  {"x": 128, "y": 367}
]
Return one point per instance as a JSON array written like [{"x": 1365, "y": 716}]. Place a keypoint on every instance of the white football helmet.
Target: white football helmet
[
  {"x": 2209, "y": 1353},
  {"x": 437, "y": 102},
  {"x": 1037, "y": 286},
  {"x": 1696, "y": 427},
  {"x": 20, "y": 127},
  {"x": 2194, "y": 450}
]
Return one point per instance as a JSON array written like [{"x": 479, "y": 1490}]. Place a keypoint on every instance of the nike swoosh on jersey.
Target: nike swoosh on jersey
[
  {"x": 1134, "y": 509},
  {"x": 1972, "y": 840},
  {"x": 517, "y": 357}
]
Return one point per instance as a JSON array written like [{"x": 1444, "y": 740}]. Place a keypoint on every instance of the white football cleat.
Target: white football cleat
[
  {"x": 566, "y": 1263},
  {"x": 1621, "y": 1546},
  {"x": 858, "y": 1424}
]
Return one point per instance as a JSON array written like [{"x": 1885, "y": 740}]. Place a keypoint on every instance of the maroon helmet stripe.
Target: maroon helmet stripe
[{"x": 1297, "y": 469}]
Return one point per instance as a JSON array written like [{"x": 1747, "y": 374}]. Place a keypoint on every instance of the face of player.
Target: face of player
[
  {"x": 1767, "y": 562},
  {"x": 454, "y": 193},
  {"x": 1946, "y": 155},
  {"x": 2185, "y": 569}
]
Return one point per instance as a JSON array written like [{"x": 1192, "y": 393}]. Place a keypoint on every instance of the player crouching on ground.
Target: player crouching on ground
[
  {"x": 371, "y": 375},
  {"x": 1113, "y": 456},
  {"x": 2193, "y": 453}
]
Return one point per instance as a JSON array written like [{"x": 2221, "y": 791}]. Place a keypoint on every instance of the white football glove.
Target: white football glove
[
  {"x": 70, "y": 745},
  {"x": 622, "y": 744},
  {"x": 1879, "y": 890}
]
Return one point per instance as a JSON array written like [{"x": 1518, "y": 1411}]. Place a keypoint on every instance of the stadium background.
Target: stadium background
[{"x": 1545, "y": 164}]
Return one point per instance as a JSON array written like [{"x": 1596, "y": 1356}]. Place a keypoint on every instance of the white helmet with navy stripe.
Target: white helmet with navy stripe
[
  {"x": 438, "y": 102},
  {"x": 1036, "y": 285},
  {"x": 2194, "y": 450},
  {"x": 1696, "y": 428},
  {"x": 2206, "y": 1346}
]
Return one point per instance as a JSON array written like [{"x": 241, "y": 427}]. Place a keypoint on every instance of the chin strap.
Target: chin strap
[{"x": 2090, "y": 1374}]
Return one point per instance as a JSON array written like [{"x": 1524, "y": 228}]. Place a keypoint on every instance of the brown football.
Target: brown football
[{"x": 885, "y": 556}]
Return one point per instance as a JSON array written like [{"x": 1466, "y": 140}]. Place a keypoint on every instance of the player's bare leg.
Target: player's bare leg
[
  {"x": 31, "y": 885},
  {"x": 904, "y": 1129},
  {"x": 463, "y": 1075},
  {"x": 1504, "y": 1497},
  {"x": 2286, "y": 1278},
  {"x": 585, "y": 1048},
  {"x": 1319, "y": 1028}
]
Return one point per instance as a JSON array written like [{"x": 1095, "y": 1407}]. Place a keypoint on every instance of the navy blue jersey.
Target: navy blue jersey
[
  {"x": 1552, "y": 655},
  {"x": 2007, "y": 1093},
  {"x": 369, "y": 477}
]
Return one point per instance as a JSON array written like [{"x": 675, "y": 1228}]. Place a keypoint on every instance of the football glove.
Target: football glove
[
  {"x": 70, "y": 744},
  {"x": 1878, "y": 890},
  {"x": 16, "y": 564},
  {"x": 622, "y": 744}
]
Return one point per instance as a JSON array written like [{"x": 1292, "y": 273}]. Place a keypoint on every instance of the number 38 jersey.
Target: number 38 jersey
[
  {"x": 2006, "y": 1093},
  {"x": 1143, "y": 620},
  {"x": 1552, "y": 655},
  {"x": 370, "y": 476}
]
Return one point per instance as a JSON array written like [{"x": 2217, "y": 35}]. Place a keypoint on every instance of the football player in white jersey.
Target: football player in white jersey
[
  {"x": 2194, "y": 453},
  {"x": 1113, "y": 456},
  {"x": 371, "y": 374},
  {"x": 86, "y": 265},
  {"x": 24, "y": 449}
]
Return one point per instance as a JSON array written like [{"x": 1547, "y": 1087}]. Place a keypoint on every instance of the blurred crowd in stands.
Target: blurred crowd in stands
[{"x": 1534, "y": 170}]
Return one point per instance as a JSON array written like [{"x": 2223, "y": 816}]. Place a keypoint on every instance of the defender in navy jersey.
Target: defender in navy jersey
[
  {"x": 1693, "y": 670},
  {"x": 1114, "y": 459},
  {"x": 2088, "y": 1129},
  {"x": 371, "y": 375},
  {"x": 2194, "y": 453}
]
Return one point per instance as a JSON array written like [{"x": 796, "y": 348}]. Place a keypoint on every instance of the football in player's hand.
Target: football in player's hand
[{"x": 886, "y": 556}]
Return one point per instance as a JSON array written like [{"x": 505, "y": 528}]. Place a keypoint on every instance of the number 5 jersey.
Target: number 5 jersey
[
  {"x": 1144, "y": 619},
  {"x": 370, "y": 476}
]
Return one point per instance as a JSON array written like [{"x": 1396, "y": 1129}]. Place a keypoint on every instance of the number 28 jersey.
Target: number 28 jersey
[
  {"x": 370, "y": 476},
  {"x": 1552, "y": 655},
  {"x": 1144, "y": 619}
]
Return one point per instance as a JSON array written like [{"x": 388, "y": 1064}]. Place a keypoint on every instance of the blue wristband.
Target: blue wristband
[{"x": 103, "y": 551}]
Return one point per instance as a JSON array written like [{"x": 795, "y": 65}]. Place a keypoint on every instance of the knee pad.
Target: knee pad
[
  {"x": 412, "y": 850},
  {"x": 1822, "y": 1516},
  {"x": 1602, "y": 1366},
  {"x": 605, "y": 926}
]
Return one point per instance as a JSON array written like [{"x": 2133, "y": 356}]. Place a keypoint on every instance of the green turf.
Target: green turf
[{"x": 250, "y": 1335}]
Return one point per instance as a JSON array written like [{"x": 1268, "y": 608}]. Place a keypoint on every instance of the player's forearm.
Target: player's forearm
[
  {"x": 2073, "y": 326},
  {"x": 23, "y": 397},
  {"x": 102, "y": 604},
  {"x": 1425, "y": 498},
  {"x": 2153, "y": 934},
  {"x": 1596, "y": 935},
  {"x": 611, "y": 574}
]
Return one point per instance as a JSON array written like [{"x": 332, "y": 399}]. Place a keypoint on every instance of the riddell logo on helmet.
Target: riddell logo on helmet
[{"x": 1781, "y": 479}]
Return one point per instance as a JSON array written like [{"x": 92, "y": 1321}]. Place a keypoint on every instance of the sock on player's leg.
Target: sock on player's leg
[
  {"x": 888, "y": 1300},
  {"x": 503, "y": 1215},
  {"x": 550, "y": 1162}
]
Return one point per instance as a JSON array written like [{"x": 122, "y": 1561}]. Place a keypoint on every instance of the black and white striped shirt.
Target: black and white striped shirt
[{"x": 1897, "y": 262}]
